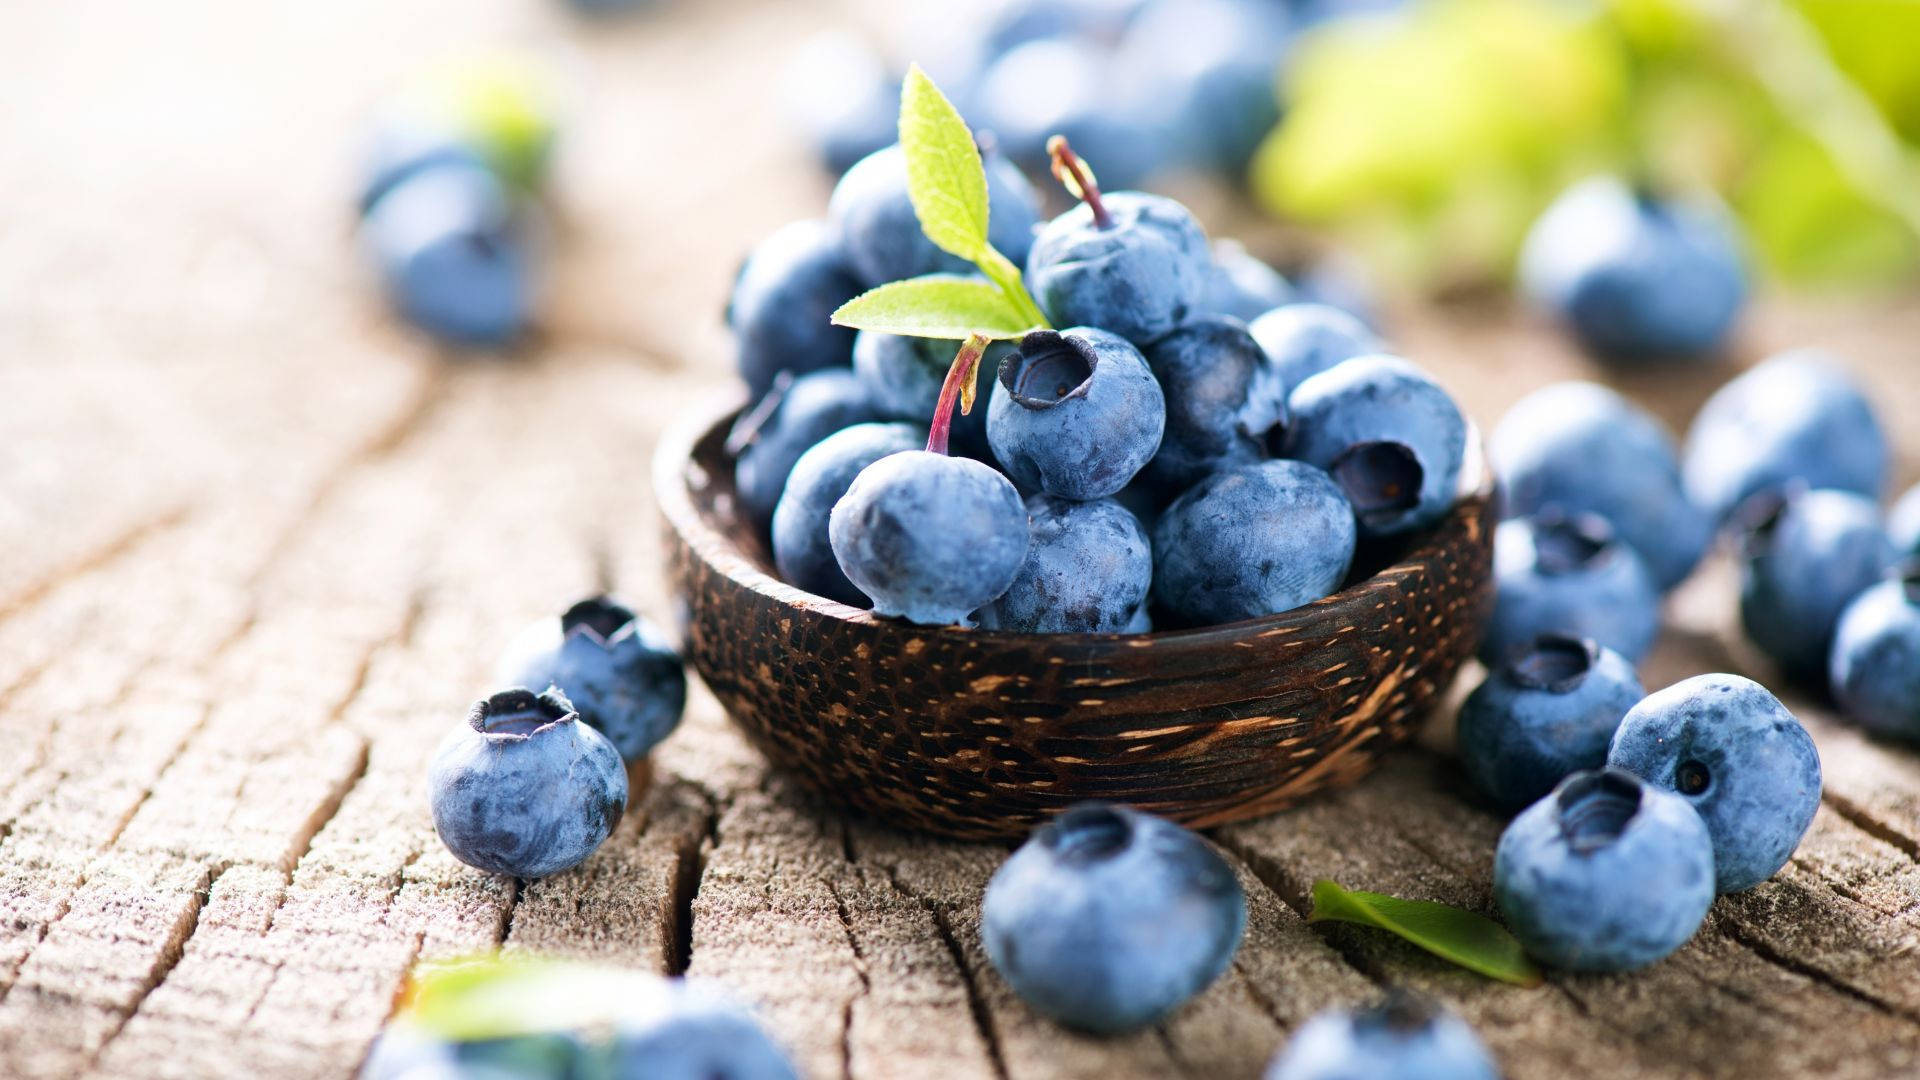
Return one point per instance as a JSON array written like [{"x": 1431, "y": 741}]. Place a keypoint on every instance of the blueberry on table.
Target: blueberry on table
[
  {"x": 1132, "y": 264},
  {"x": 904, "y": 376},
  {"x": 1405, "y": 1037},
  {"x": 1206, "y": 71},
  {"x": 801, "y": 550},
  {"x": 691, "y": 1032},
  {"x": 1903, "y": 523},
  {"x": 1607, "y": 873},
  {"x": 451, "y": 255},
  {"x": 1549, "y": 711},
  {"x": 1241, "y": 286},
  {"x": 1225, "y": 404},
  {"x": 781, "y": 309},
  {"x": 1059, "y": 86},
  {"x": 1582, "y": 448},
  {"x": 881, "y": 233},
  {"x": 524, "y": 788},
  {"x": 1568, "y": 574},
  {"x": 404, "y": 146},
  {"x": 1803, "y": 556},
  {"x": 1252, "y": 541},
  {"x": 795, "y": 414},
  {"x": 1635, "y": 277},
  {"x": 1108, "y": 919},
  {"x": 1795, "y": 417},
  {"x": 616, "y": 668},
  {"x": 1078, "y": 413},
  {"x": 1390, "y": 435},
  {"x": 1739, "y": 757},
  {"x": 1875, "y": 665},
  {"x": 1087, "y": 571},
  {"x": 1304, "y": 339}
]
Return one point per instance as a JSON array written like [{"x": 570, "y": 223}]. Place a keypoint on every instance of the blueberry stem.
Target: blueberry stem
[
  {"x": 1078, "y": 179},
  {"x": 958, "y": 387}
]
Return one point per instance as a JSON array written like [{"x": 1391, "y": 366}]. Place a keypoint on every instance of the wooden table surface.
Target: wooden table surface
[{"x": 261, "y": 546}]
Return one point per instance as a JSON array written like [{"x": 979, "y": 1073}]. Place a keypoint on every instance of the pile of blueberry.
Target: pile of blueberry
[{"x": 1157, "y": 461}]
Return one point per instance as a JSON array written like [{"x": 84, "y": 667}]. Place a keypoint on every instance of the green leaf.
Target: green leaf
[
  {"x": 1475, "y": 942},
  {"x": 491, "y": 996},
  {"x": 945, "y": 179},
  {"x": 937, "y": 306}
]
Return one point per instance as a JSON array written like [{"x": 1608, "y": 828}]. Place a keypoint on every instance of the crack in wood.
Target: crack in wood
[
  {"x": 976, "y": 1001},
  {"x": 689, "y": 870},
  {"x": 1863, "y": 819},
  {"x": 1764, "y": 950},
  {"x": 126, "y": 543},
  {"x": 169, "y": 958},
  {"x": 859, "y": 969}
]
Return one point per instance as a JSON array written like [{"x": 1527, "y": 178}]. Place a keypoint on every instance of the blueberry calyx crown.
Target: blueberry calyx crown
[
  {"x": 601, "y": 618},
  {"x": 1048, "y": 368},
  {"x": 520, "y": 713},
  {"x": 1596, "y": 806},
  {"x": 1077, "y": 178},
  {"x": 1569, "y": 543},
  {"x": 1556, "y": 663},
  {"x": 1402, "y": 1012},
  {"x": 1758, "y": 516},
  {"x": 1381, "y": 479},
  {"x": 1087, "y": 833}
]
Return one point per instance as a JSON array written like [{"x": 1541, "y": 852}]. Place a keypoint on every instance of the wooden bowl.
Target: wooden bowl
[{"x": 980, "y": 735}]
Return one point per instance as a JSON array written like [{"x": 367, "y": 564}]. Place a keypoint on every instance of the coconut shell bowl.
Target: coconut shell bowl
[{"x": 980, "y": 735}]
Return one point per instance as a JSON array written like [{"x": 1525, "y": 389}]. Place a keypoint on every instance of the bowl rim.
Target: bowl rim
[{"x": 674, "y": 458}]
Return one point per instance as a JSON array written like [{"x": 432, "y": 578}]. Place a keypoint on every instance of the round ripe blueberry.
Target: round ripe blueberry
[
  {"x": 842, "y": 97},
  {"x": 783, "y": 301},
  {"x": 1077, "y": 415},
  {"x": 1796, "y": 417},
  {"x": 1059, "y": 86},
  {"x": 1550, "y": 710},
  {"x": 616, "y": 668},
  {"x": 1108, "y": 919},
  {"x": 686, "y": 1029},
  {"x": 930, "y": 538},
  {"x": 1875, "y": 665},
  {"x": 1389, "y": 434},
  {"x": 523, "y": 788},
  {"x": 1225, "y": 405},
  {"x": 1205, "y": 71},
  {"x": 1087, "y": 571},
  {"x": 1241, "y": 286},
  {"x": 1403, "y": 1038},
  {"x": 1731, "y": 749},
  {"x": 770, "y": 437},
  {"x": 1555, "y": 573},
  {"x": 882, "y": 235},
  {"x": 1304, "y": 339},
  {"x": 452, "y": 260},
  {"x": 1636, "y": 278},
  {"x": 904, "y": 376},
  {"x": 1252, "y": 541},
  {"x": 1903, "y": 523},
  {"x": 801, "y": 550},
  {"x": 1137, "y": 269},
  {"x": 1583, "y": 448},
  {"x": 1803, "y": 556},
  {"x": 1339, "y": 281},
  {"x": 1607, "y": 873}
]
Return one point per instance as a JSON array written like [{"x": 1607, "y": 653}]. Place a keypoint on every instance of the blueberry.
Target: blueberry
[
  {"x": 1225, "y": 405},
  {"x": 1732, "y": 750},
  {"x": 1304, "y": 339},
  {"x": 1087, "y": 571},
  {"x": 616, "y": 668},
  {"x": 1252, "y": 541},
  {"x": 1058, "y": 86},
  {"x": 524, "y": 788},
  {"x": 1403, "y": 1038},
  {"x": 1583, "y": 448},
  {"x": 783, "y": 301},
  {"x": 688, "y": 1031},
  {"x": 820, "y": 479},
  {"x": 1875, "y": 665},
  {"x": 1803, "y": 556},
  {"x": 1078, "y": 413},
  {"x": 1568, "y": 574},
  {"x": 930, "y": 538},
  {"x": 1108, "y": 919},
  {"x": 451, "y": 255},
  {"x": 882, "y": 235},
  {"x": 1338, "y": 280},
  {"x": 1242, "y": 286},
  {"x": 1207, "y": 71},
  {"x": 1794, "y": 417},
  {"x": 904, "y": 375},
  {"x": 770, "y": 438},
  {"x": 1903, "y": 523},
  {"x": 1132, "y": 264},
  {"x": 1389, "y": 434},
  {"x": 405, "y": 146},
  {"x": 842, "y": 97},
  {"x": 1637, "y": 278},
  {"x": 1021, "y": 21},
  {"x": 1607, "y": 873},
  {"x": 1550, "y": 710}
]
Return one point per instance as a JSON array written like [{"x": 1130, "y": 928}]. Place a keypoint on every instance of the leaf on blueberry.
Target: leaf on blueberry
[
  {"x": 935, "y": 306},
  {"x": 1472, "y": 941}
]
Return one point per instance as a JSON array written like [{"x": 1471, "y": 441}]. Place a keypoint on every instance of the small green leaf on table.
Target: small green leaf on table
[
  {"x": 1473, "y": 941},
  {"x": 937, "y": 306}
]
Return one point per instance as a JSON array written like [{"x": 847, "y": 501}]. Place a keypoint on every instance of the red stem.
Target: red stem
[
  {"x": 1066, "y": 163},
  {"x": 957, "y": 388}
]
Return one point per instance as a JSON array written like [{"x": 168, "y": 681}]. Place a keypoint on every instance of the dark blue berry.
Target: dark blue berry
[
  {"x": 1225, "y": 404},
  {"x": 770, "y": 438},
  {"x": 1875, "y": 666},
  {"x": 1137, "y": 267},
  {"x": 616, "y": 668},
  {"x": 1550, "y": 710},
  {"x": 451, "y": 254},
  {"x": 1403, "y": 1038},
  {"x": 1560, "y": 574},
  {"x": 1078, "y": 413},
  {"x": 881, "y": 233},
  {"x": 801, "y": 549},
  {"x": 1389, "y": 434},
  {"x": 689, "y": 1031},
  {"x": 904, "y": 376},
  {"x": 783, "y": 301},
  {"x": 1242, "y": 286},
  {"x": 1087, "y": 571},
  {"x": 1304, "y": 339},
  {"x": 1803, "y": 556}
]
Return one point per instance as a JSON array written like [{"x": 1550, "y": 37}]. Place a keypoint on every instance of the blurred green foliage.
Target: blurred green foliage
[{"x": 1434, "y": 138}]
